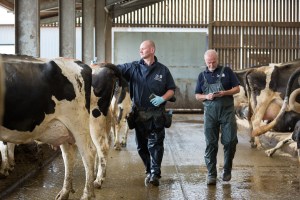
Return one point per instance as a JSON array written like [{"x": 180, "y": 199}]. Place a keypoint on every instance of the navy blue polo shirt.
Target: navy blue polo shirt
[
  {"x": 228, "y": 80},
  {"x": 145, "y": 80}
]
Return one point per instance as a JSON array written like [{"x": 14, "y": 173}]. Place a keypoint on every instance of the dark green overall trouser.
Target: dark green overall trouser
[{"x": 219, "y": 116}]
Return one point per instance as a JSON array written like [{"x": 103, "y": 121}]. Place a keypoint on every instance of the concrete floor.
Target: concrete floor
[{"x": 254, "y": 176}]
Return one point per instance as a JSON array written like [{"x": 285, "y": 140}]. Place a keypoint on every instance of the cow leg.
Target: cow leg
[
  {"x": 87, "y": 152},
  {"x": 100, "y": 129},
  {"x": 124, "y": 138},
  {"x": 296, "y": 137},
  {"x": 115, "y": 131},
  {"x": 4, "y": 164},
  {"x": 117, "y": 116},
  {"x": 270, "y": 152},
  {"x": 254, "y": 141},
  {"x": 102, "y": 150},
  {"x": 124, "y": 130},
  {"x": 11, "y": 155},
  {"x": 117, "y": 143},
  {"x": 8, "y": 158},
  {"x": 68, "y": 154},
  {"x": 86, "y": 149}
]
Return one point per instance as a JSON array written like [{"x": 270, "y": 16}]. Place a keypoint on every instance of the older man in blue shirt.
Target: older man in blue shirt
[{"x": 215, "y": 88}]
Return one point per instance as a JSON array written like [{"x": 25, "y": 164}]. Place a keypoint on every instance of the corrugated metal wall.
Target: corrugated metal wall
[
  {"x": 245, "y": 33},
  {"x": 49, "y": 47}
]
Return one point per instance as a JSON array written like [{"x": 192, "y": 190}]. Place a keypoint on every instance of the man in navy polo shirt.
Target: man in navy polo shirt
[
  {"x": 151, "y": 86},
  {"x": 215, "y": 87}
]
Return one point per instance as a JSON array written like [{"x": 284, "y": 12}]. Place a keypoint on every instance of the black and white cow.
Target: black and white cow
[
  {"x": 120, "y": 108},
  {"x": 118, "y": 111},
  {"x": 293, "y": 137},
  {"x": 240, "y": 99},
  {"x": 265, "y": 89},
  {"x": 61, "y": 102},
  {"x": 290, "y": 105},
  {"x": 2, "y": 79}
]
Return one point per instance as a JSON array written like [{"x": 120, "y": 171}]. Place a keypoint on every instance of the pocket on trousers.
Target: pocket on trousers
[
  {"x": 131, "y": 120},
  {"x": 168, "y": 119},
  {"x": 159, "y": 122}
]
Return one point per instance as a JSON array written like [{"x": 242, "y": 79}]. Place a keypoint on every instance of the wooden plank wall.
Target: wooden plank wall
[
  {"x": 256, "y": 32},
  {"x": 245, "y": 33}
]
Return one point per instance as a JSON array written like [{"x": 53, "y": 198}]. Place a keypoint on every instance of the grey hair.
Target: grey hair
[{"x": 211, "y": 52}]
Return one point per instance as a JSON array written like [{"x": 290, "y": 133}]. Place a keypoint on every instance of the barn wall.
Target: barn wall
[
  {"x": 181, "y": 52},
  {"x": 7, "y": 39},
  {"x": 245, "y": 33},
  {"x": 49, "y": 41}
]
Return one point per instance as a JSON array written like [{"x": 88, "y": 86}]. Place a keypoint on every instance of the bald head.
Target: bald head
[
  {"x": 147, "y": 50},
  {"x": 148, "y": 43}
]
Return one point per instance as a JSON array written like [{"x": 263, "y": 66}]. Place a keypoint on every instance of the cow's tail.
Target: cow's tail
[
  {"x": 293, "y": 104},
  {"x": 263, "y": 129},
  {"x": 248, "y": 95},
  {"x": 2, "y": 88}
]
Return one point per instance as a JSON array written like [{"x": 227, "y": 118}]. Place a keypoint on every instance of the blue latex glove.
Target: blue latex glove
[{"x": 157, "y": 100}]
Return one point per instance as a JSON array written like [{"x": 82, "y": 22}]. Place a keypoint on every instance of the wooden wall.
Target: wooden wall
[{"x": 245, "y": 33}]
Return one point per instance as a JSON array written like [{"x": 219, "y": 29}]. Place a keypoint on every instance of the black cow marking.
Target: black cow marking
[
  {"x": 23, "y": 102},
  {"x": 102, "y": 89},
  {"x": 96, "y": 113},
  {"x": 87, "y": 78}
]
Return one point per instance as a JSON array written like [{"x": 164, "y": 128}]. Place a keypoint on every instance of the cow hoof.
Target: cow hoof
[
  {"x": 98, "y": 184},
  {"x": 123, "y": 144},
  {"x": 117, "y": 147},
  {"x": 87, "y": 196},
  {"x": 62, "y": 195},
  {"x": 3, "y": 176},
  {"x": 253, "y": 145},
  {"x": 269, "y": 152}
]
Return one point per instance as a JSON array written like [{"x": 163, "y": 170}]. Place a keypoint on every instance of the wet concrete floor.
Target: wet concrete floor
[{"x": 254, "y": 175}]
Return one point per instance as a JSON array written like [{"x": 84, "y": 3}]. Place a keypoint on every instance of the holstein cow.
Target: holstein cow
[
  {"x": 118, "y": 111},
  {"x": 60, "y": 102},
  {"x": 290, "y": 105},
  {"x": 120, "y": 108},
  {"x": 2, "y": 77},
  {"x": 240, "y": 99},
  {"x": 265, "y": 89},
  {"x": 101, "y": 125},
  {"x": 7, "y": 161}
]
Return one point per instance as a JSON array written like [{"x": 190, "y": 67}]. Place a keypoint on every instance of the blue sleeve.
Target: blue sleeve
[{"x": 126, "y": 70}]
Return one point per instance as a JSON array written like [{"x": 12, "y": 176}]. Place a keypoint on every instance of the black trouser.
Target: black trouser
[{"x": 151, "y": 150}]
